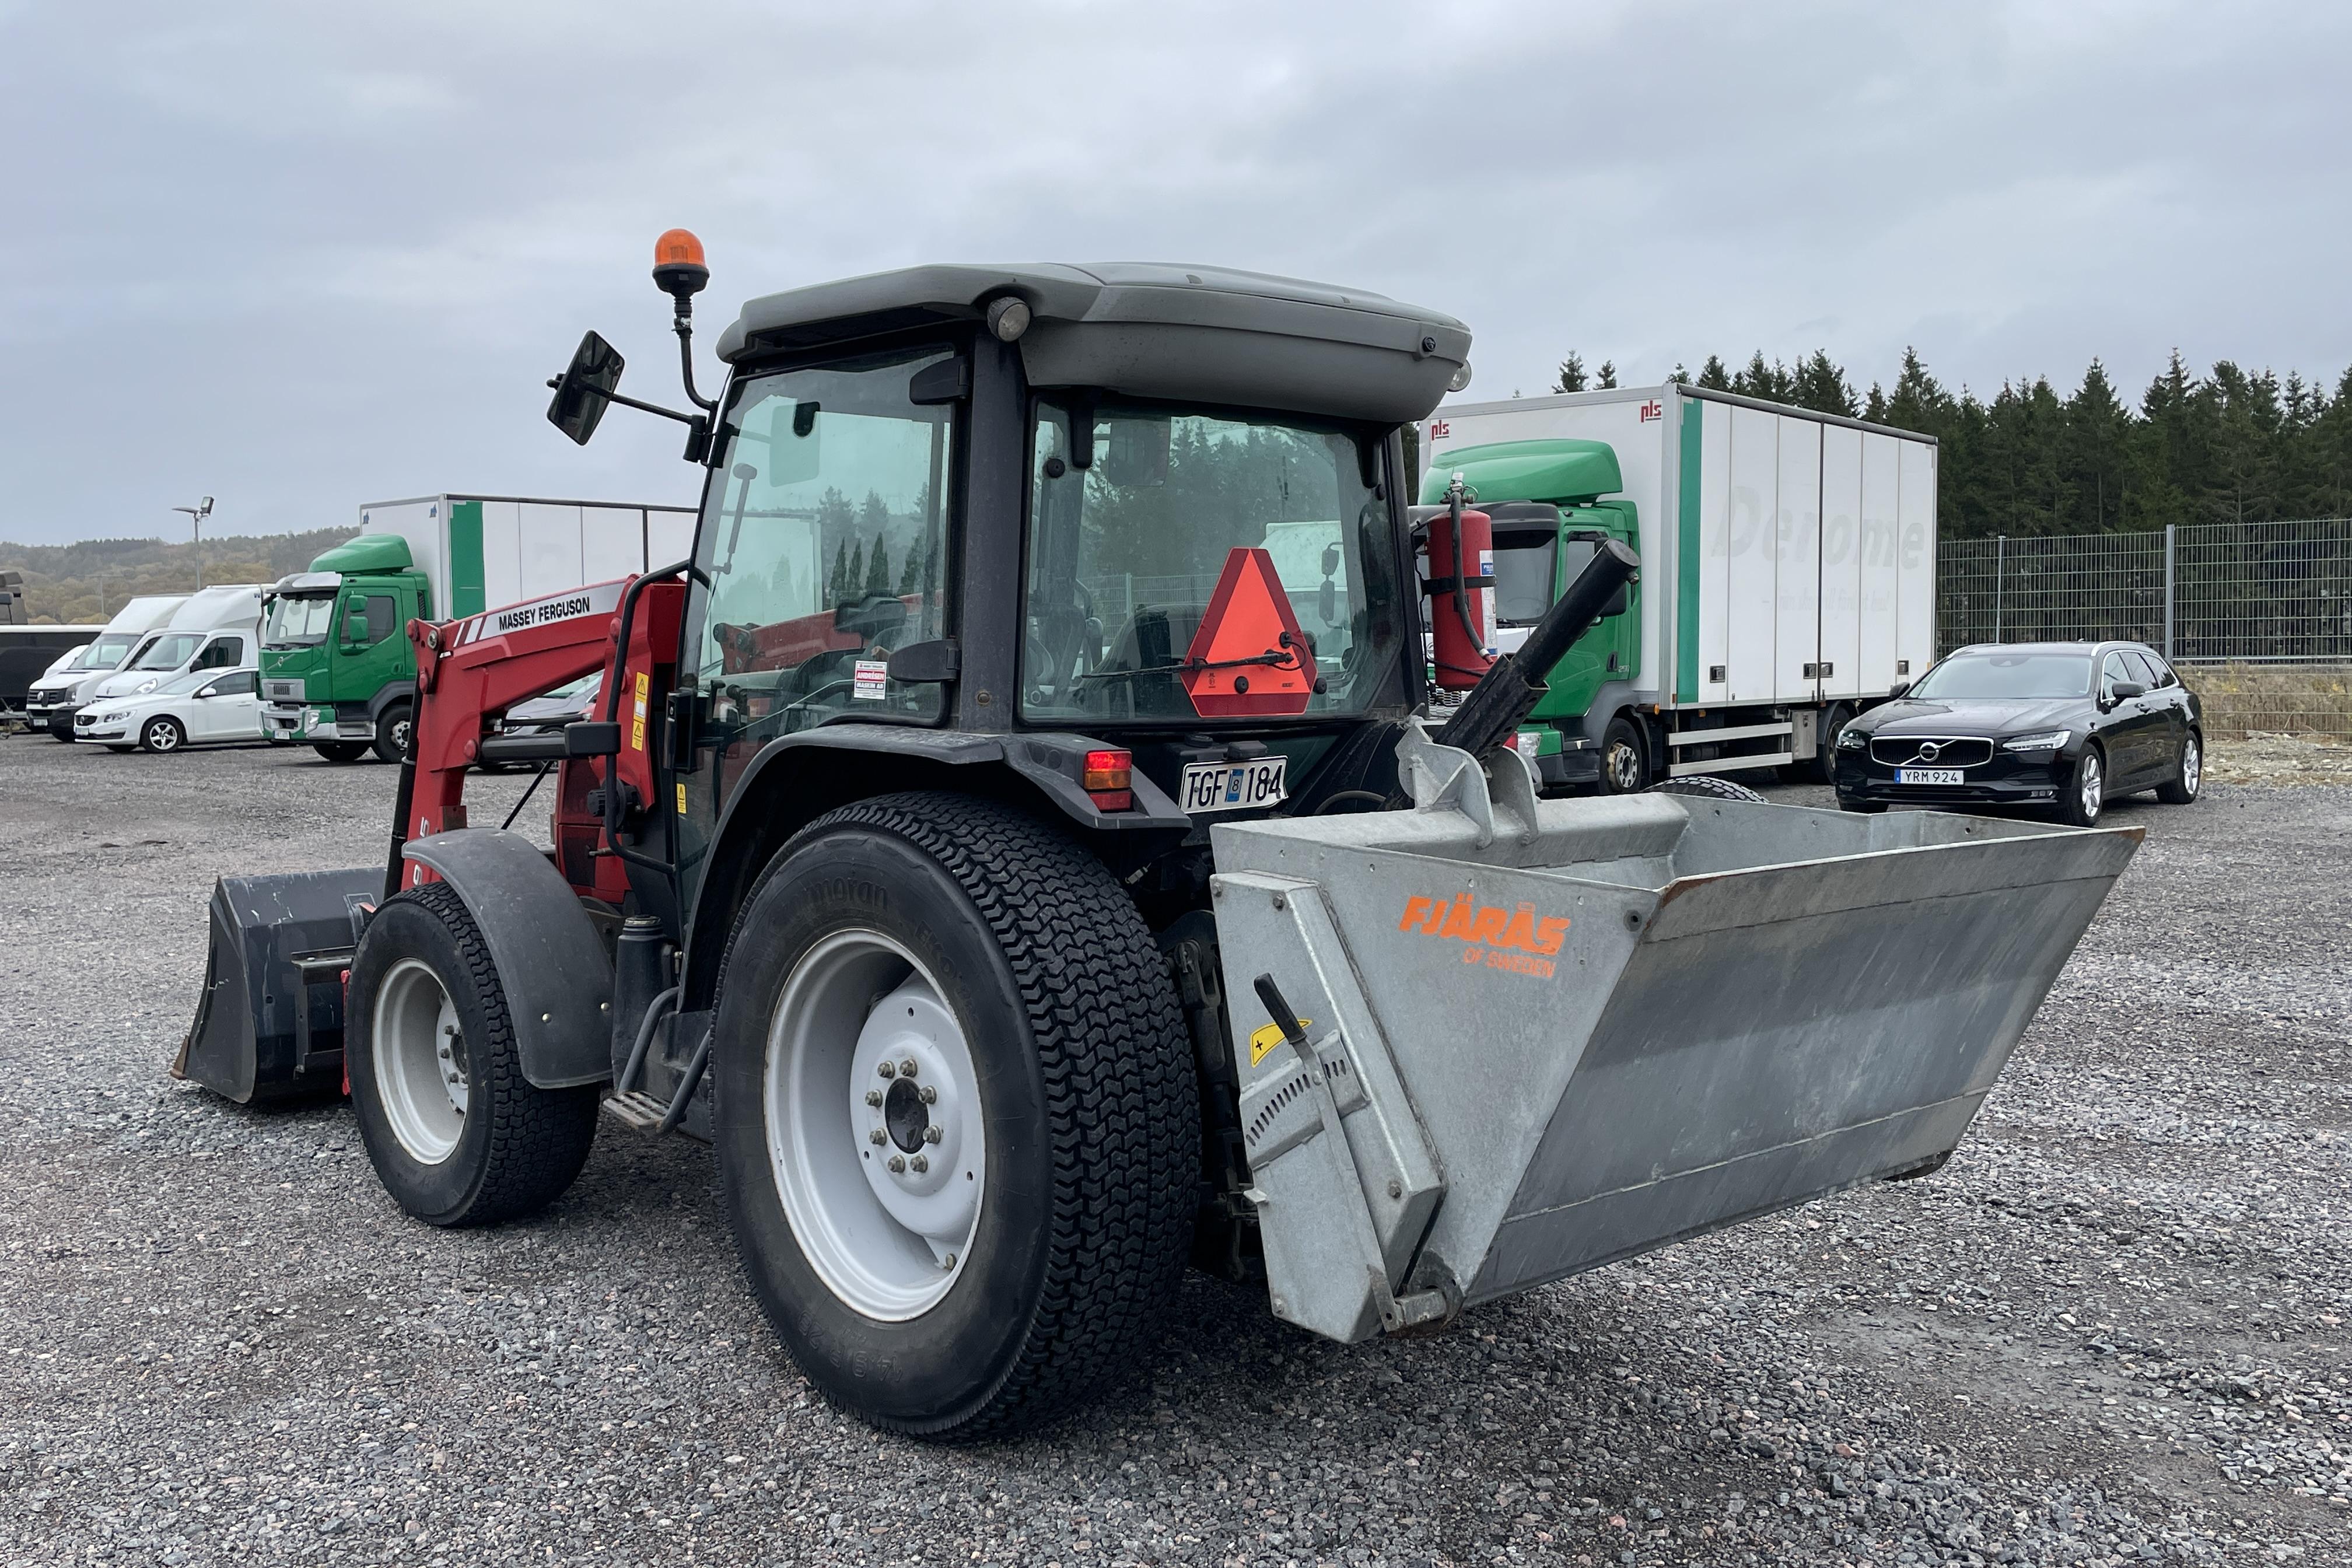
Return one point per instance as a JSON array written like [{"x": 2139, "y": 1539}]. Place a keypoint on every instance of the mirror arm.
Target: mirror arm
[{"x": 643, "y": 408}]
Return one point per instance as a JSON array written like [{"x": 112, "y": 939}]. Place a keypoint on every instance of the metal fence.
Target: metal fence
[{"x": 2261, "y": 612}]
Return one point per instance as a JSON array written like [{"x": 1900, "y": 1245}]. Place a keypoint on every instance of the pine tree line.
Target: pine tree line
[{"x": 2230, "y": 447}]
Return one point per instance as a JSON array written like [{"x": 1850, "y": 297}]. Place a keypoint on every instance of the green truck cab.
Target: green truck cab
[
  {"x": 1545, "y": 498},
  {"x": 337, "y": 669}
]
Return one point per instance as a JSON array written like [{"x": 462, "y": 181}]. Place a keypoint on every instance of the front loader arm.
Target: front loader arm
[{"x": 469, "y": 672}]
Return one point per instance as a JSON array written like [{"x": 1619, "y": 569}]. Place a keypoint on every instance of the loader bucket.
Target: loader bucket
[
  {"x": 269, "y": 1025},
  {"x": 1556, "y": 1039}
]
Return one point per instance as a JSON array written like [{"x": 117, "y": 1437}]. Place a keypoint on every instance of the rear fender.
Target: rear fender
[
  {"x": 797, "y": 778},
  {"x": 552, "y": 965}
]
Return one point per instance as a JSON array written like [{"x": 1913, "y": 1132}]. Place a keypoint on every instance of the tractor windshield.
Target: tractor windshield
[{"x": 1167, "y": 521}]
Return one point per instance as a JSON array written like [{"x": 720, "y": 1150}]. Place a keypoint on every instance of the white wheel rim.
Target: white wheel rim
[
  {"x": 421, "y": 1065},
  {"x": 2193, "y": 766},
  {"x": 889, "y": 1243},
  {"x": 162, "y": 737},
  {"x": 1624, "y": 766},
  {"x": 2092, "y": 785}
]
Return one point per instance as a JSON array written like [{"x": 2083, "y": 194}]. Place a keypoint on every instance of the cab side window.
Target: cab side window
[
  {"x": 223, "y": 653},
  {"x": 383, "y": 610}
]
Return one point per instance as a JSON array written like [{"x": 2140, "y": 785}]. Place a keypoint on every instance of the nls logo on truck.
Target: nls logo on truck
[{"x": 602, "y": 599}]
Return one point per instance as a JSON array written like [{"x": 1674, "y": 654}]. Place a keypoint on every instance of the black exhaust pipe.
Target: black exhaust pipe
[{"x": 1510, "y": 689}]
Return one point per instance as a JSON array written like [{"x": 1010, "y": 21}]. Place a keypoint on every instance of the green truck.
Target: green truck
[
  {"x": 1787, "y": 575},
  {"x": 337, "y": 671}
]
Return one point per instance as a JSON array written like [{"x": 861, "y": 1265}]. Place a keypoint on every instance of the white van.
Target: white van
[
  {"x": 218, "y": 628},
  {"x": 55, "y": 698}
]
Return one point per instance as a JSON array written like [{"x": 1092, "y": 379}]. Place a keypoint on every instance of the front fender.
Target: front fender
[{"x": 552, "y": 963}]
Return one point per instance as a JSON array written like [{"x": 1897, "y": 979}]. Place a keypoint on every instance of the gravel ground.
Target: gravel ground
[{"x": 2112, "y": 1329}]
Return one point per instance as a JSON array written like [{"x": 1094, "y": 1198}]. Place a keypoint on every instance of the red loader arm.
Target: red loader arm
[{"x": 469, "y": 672}]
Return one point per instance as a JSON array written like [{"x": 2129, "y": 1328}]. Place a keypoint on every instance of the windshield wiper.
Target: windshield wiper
[{"x": 1288, "y": 656}]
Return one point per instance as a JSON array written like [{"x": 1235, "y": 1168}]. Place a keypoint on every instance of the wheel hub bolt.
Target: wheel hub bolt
[
  {"x": 878, "y": 1136},
  {"x": 873, "y": 1097},
  {"x": 897, "y": 1164},
  {"x": 907, "y": 1068},
  {"x": 920, "y": 1164},
  {"x": 930, "y": 1135},
  {"x": 930, "y": 1095},
  {"x": 887, "y": 1069}
]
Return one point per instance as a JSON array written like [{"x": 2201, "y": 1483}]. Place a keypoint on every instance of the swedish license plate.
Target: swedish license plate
[
  {"x": 1927, "y": 775},
  {"x": 1233, "y": 786}
]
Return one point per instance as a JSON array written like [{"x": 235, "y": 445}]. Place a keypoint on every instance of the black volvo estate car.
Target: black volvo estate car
[{"x": 2065, "y": 726}]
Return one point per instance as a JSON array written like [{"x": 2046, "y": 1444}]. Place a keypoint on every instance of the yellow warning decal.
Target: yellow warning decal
[
  {"x": 681, "y": 797},
  {"x": 637, "y": 718},
  {"x": 1267, "y": 1036}
]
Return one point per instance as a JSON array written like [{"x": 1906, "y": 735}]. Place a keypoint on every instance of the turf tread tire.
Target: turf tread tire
[
  {"x": 1117, "y": 1066},
  {"x": 538, "y": 1139},
  {"x": 1707, "y": 786}
]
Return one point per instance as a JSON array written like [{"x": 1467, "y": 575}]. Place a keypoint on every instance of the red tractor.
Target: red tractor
[{"x": 1010, "y": 841}]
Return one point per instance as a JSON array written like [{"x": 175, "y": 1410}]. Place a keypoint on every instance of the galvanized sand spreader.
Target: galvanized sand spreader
[{"x": 1559, "y": 1033}]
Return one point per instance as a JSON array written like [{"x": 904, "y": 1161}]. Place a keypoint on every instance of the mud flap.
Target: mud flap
[{"x": 269, "y": 1025}]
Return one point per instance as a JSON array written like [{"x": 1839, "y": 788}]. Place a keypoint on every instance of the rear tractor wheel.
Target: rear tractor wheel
[
  {"x": 1707, "y": 786},
  {"x": 457, "y": 1135},
  {"x": 955, "y": 1115}
]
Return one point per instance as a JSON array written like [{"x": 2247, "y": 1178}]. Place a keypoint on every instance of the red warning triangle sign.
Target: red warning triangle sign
[{"x": 1249, "y": 658}]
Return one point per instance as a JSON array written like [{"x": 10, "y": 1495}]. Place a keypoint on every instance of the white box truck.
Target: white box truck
[
  {"x": 337, "y": 668},
  {"x": 1787, "y": 570}
]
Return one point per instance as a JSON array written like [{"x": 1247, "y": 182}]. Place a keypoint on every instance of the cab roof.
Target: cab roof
[{"x": 1161, "y": 331}]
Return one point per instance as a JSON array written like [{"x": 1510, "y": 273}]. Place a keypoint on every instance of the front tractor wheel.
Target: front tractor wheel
[
  {"x": 955, "y": 1116},
  {"x": 456, "y": 1134}
]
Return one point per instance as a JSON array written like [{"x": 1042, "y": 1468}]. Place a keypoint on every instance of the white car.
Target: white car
[{"x": 204, "y": 707}]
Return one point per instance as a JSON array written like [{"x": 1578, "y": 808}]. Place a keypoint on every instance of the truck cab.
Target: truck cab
[
  {"x": 1548, "y": 506},
  {"x": 336, "y": 670}
]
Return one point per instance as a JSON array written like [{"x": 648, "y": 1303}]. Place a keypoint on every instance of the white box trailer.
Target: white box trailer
[
  {"x": 1788, "y": 557},
  {"x": 480, "y": 550}
]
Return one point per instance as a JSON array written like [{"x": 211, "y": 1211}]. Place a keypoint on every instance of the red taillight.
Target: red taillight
[{"x": 1109, "y": 778}]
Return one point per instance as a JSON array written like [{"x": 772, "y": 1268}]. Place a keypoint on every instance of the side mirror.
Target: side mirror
[
  {"x": 1327, "y": 597},
  {"x": 2124, "y": 690},
  {"x": 584, "y": 390},
  {"x": 1897, "y": 689},
  {"x": 355, "y": 627}
]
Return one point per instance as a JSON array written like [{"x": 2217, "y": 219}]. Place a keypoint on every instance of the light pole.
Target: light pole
[{"x": 196, "y": 515}]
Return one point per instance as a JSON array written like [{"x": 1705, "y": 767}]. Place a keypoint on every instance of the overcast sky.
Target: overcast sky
[{"x": 303, "y": 255}]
